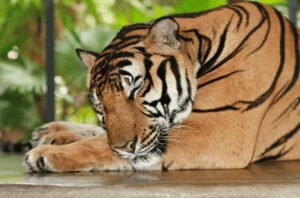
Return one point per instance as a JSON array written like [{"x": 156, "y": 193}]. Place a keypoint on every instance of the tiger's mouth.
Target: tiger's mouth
[{"x": 157, "y": 147}]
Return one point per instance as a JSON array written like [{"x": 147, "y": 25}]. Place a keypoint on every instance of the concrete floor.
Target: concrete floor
[{"x": 259, "y": 180}]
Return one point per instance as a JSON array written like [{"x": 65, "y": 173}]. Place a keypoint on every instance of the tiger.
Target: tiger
[{"x": 217, "y": 89}]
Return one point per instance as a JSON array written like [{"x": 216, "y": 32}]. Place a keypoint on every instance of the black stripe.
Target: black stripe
[
  {"x": 210, "y": 63},
  {"x": 186, "y": 102},
  {"x": 148, "y": 64},
  {"x": 125, "y": 30},
  {"x": 274, "y": 157},
  {"x": 176, "y": 73},
  {"x": 281, "y": 140},
  {"x": 137, "y": 78},
  {"x": 235, "y": 10},
  {"x": 153, "y": 104},
  {"x": 153, "y": 130},
  {"x": 148, "y": 88},
  {"x": 133, "y": 91},
  {"x": 122, "y": 40},
  {"x": 150, "y": 143},
  {"x": 150, "y": 114},
  {"x": 128, "y": 44},
  {"x": 218, "y": 78},
  {"x": 265, "y": 12},
  {"x": 245, "y": 12},
  {"x": 238, "y": 49},
  {"x": 182, "y": 107},
  {"x": 123, "y": 63},
  {"x": 126, "y": 73},
  {"x": 161, "y": 73},
  {"x": 203, "y": 50},
  {"x": 141, "y": 49},
  {"x": 103, "y": 54},
  {"x": 186, "y": 39},
  {"x": 263, "y": 97},
  {"x": 123, "y": 55},
  {"x": 291, "y": 107},
  {"x": 297, "y": 65},
  {"x": 189, "y": 86},
  {"x": 219, "y": 109}
]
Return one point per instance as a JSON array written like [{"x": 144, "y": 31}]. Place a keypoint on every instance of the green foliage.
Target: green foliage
[
  {"x": 20, "y": 84},
  {"x": 84, "y": 114},
  {"x": 187, "y": 6},
  {"x": 274, "y": 2},
  {"x": 90, "y": 25},
  {"x": 21, "y": 78},
  {"x": 17, "y": 111},
  {"x": 68, "y": 64},
  {"x": 15, "y": 15}
]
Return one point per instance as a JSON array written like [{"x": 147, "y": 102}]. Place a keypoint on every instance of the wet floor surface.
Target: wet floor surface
[{"x": 278, "y": 178}]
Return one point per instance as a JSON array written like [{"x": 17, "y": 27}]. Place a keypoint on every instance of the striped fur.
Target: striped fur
[{"x": 216, "y": 89}]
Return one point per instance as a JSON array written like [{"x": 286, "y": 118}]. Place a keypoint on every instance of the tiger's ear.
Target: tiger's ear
[
  {"x": 87, "y": 57},
  {"x": 165, "y": 31}
]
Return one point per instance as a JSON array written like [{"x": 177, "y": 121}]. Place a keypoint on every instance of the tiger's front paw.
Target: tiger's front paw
[
  {"x": 43, "y": 159},
  {"x": 92, "y": 154},
  {"x": 58, "y": 158},
  {"x": 48, "y": 133}
]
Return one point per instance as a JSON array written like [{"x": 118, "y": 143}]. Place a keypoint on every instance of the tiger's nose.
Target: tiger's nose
[{"x": 127, "y": 147}]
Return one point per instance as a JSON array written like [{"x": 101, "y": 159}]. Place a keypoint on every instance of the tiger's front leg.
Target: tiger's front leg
[
  {"x": 92, "y": 154},
  {"x": 226, "y": 144}
]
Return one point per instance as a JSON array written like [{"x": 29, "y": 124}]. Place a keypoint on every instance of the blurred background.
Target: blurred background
[{"x": 87, "y": 24}]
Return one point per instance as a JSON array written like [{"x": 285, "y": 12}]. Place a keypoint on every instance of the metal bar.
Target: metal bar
[
  {"x": 293, "y": 11},
  {"x": 50, "y": 67}
]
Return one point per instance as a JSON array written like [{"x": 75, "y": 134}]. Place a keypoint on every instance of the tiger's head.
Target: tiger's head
[{"x": 141, "y": 86}]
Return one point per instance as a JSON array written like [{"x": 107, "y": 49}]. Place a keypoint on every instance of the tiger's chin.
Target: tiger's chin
[{"x": 147, "y": 162}]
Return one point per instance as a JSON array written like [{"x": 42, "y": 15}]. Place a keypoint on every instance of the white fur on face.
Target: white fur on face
[
  {"x": 97, "y": 102},
  {"x": 95, "y": 97},
  {"x": 151, "y": 163},
  {"x": 135, "y": 70}
]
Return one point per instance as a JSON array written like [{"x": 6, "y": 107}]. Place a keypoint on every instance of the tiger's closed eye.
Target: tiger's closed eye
[
  {"x": 126, "y": 77},
  {"x": 127, "y": 81},
  {"x": 135, "y": 88}
]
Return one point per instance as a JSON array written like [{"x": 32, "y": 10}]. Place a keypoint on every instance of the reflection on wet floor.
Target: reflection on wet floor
[{"x": 12, "y": 171}]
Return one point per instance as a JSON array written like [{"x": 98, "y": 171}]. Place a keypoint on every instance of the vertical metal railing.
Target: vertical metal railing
[
  {"x": 293, "y": 11},
  {"x": 50, "y": 68}
]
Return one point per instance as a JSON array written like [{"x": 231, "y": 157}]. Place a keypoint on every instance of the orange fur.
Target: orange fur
[{"x": 244, "y": 111}]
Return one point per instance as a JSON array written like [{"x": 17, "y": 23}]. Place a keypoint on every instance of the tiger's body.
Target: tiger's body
[{"x": 212, "y": 90}]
